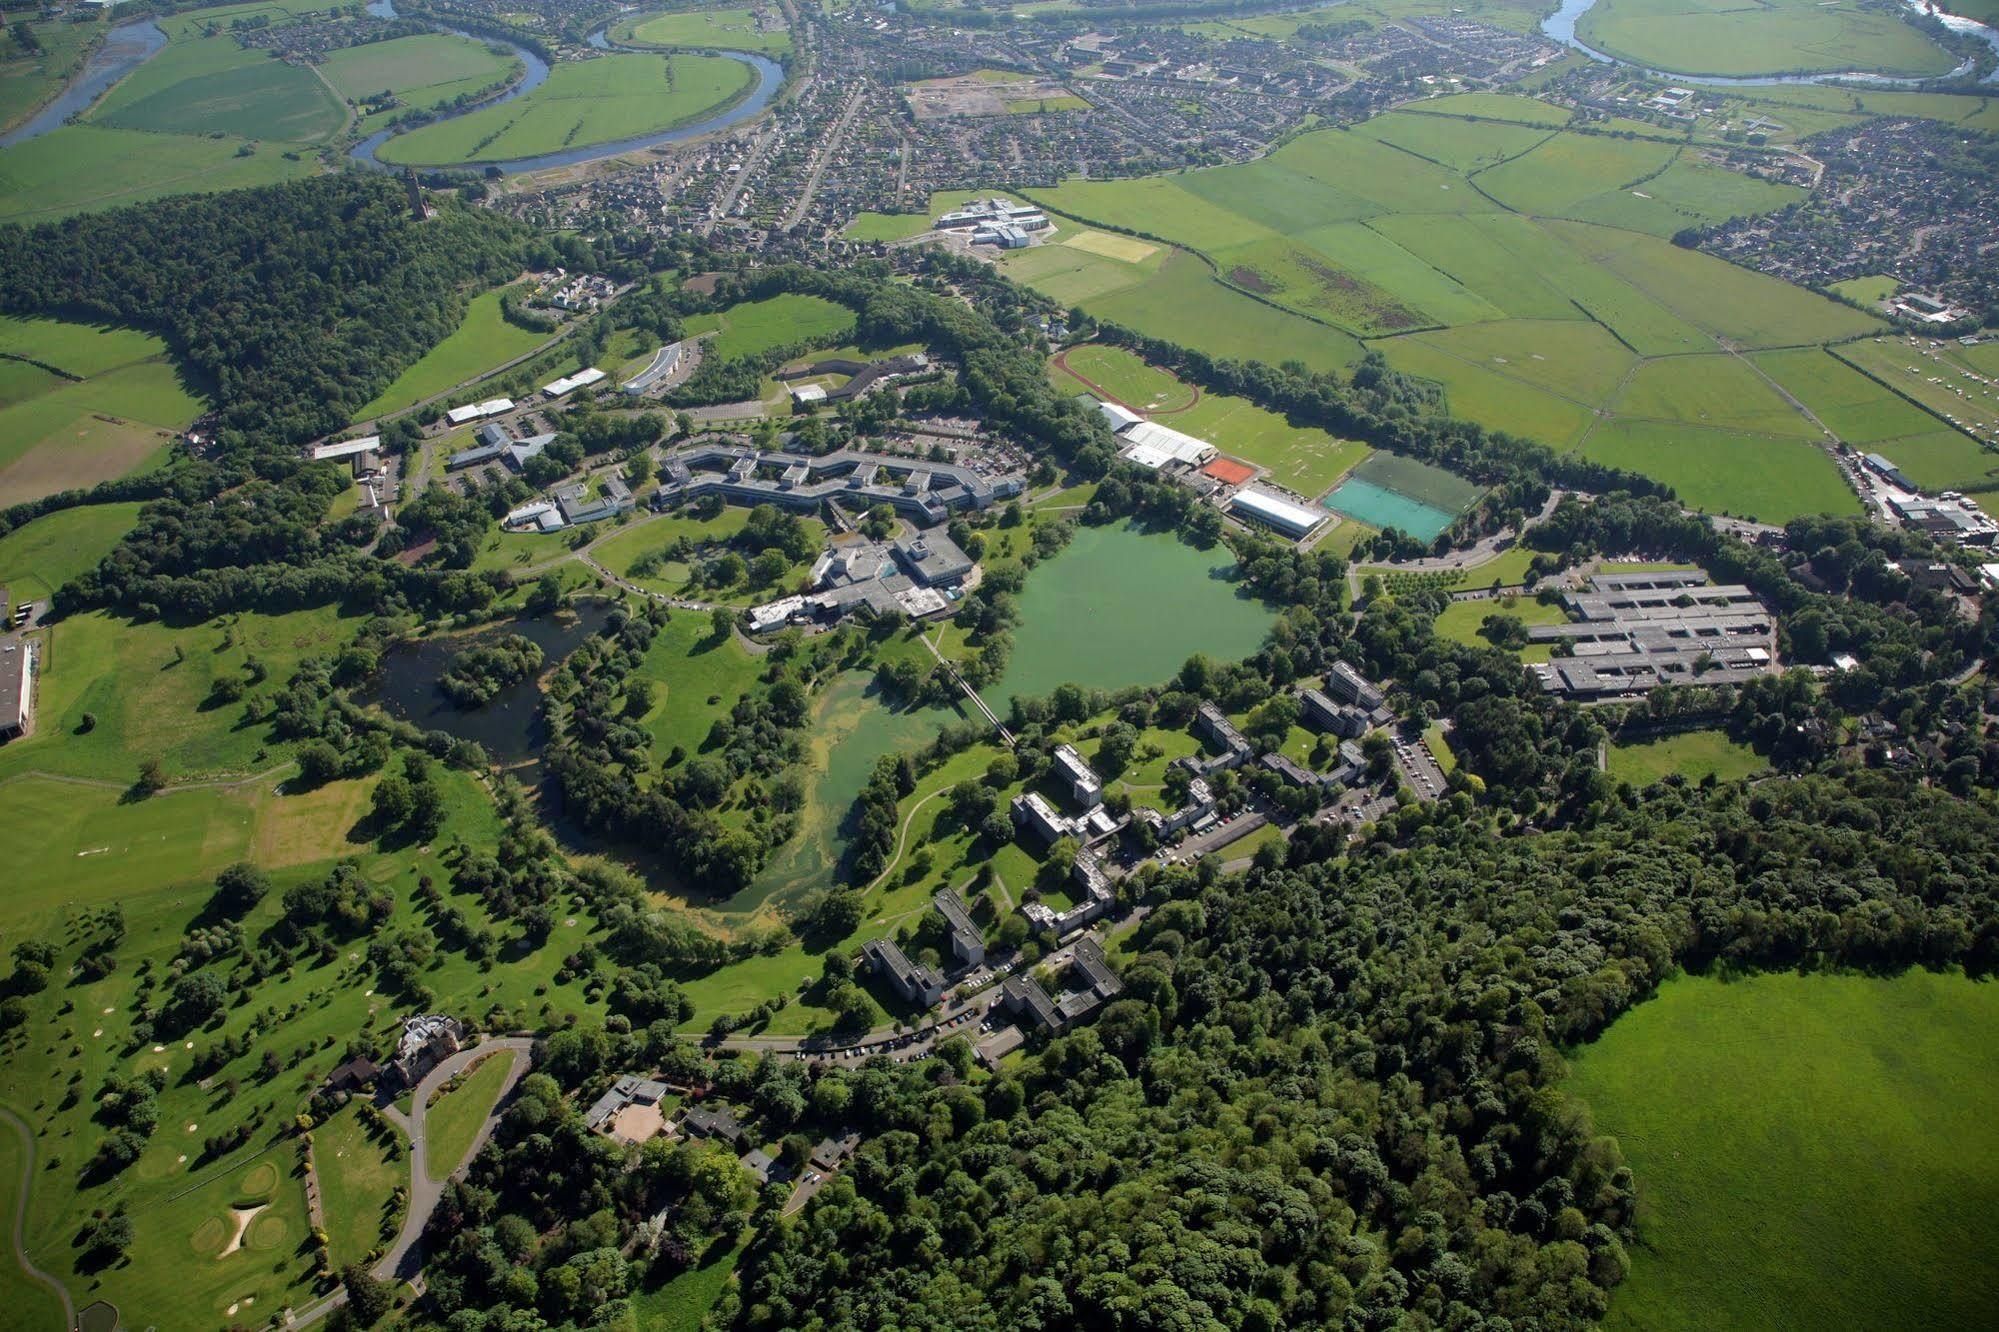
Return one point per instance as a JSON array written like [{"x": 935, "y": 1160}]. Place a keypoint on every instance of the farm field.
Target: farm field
[
  {"x": 1693, "y": 755},
  {"x": 1775, "y": 37},
  {"x": 38, "y": 557},
  {"x": 721, "y": 29},
  {"x": 1810, "y": 1151},
  {"x": 1907, "y": 366},
  {"x": 756, "y": 327},
  {"x": 1708, "y": 390},
  {"x": 425, "y": 71},
  {"x": 1854, "y": 407},
  {"x": 1727, "y": 471},
  {"x": 483, "y": 340},
  {"x": 210, "y": 85},
  {"x": 1305, "y": 459},
  {"x": 583, "y": 103},
  {"x": 82, "y": 168},
  {"x": 120, "y": 413}
]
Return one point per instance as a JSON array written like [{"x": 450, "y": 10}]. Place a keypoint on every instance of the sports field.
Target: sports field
[
  {"x": 115, "y": 407},
  {"x": 1305, "y": 459},
  {"x": 1810, "y": 1151},
  {"x": 425, "y": 71},
  {"x": 1691, "y": 754},
  {"x": 1768, "y": 37},
  {"x": 584, "y": 102},
  {"x": 730, "y": 28},
  {"x": 482, "y": 341},
  {"x": 1389, "y": 490}
]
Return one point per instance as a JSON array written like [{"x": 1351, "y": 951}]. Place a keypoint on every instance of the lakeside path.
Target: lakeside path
[{"x": 19, "y": 1231}]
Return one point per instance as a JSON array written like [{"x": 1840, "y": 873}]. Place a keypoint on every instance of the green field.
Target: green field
[
  {"x": 116, "y": 407},
  {"x": 453, "y": 1119},
  {"x": 1464, "y": 622},
  {"x": 1691, "y": 754},
  {"x": 1854, "y": 407},
  {"x": 1770, "y": 37},
  {"x": 1935, "y": 380},
  {"x": 213, "y": 86},
  {"x": 886, "y": 226},
  {"x": 425, "y": 71},
  {"x": 755, "y": 327},
  {"x": 1811, "y": 1151},
  {"x": 1867, "y": 290},
  {"x": 1726, "y": 471},
  {"x": 583, "y": 103},
  {"x": 83, "y": 168},
  {"x": 481, "y": 342},
  {"x": 721, "y": 29},
  {"x": 39, "y": 557},
  {"x": 29, "y": 79},
  {"x": 358, "y": 1173}
]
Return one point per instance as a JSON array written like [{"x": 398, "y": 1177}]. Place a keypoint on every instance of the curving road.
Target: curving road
[
  {"x": 404, "y": 1260},
  {"x": 20, "y": 1231}
]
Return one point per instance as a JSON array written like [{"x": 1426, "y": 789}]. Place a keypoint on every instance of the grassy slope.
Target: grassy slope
[
  {"x": 1693, "y": 755},
  {"x": 39, "y": 557},
  {"x": 358, "y": 1174},
  {"x": 1777, "y": 36},
  {"x": 454, "y": 1117},
  {"x": 1811, "y": 1151},
  {"x": 84, "y": 168},
  {"x": 482, "y": 341}
]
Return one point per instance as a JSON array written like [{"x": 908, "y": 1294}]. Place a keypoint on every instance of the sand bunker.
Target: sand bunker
[{"x": 244, "y": 1216}]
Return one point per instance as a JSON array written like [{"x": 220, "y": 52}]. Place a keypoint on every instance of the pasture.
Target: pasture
[
  {"x": 425, "y": 71},
  {"x": 1910, "y": 368},
  {"x": 1726, "y": 471},
  {"x": 38, "y": 557},
  {"x": 482, "y": 341},
  {"x": 721, "y": 29},
  {"x": 213, "y": 86},
  {"x": 583, "y": 103},
  {"x": 1854, "y": 407},
  {"x": 1810, "y": 1150},
  {"x": 85, "y": 167},
  {"x": 121, "y": 413},
  {"x": 1694, "y": 755},
  {"x": 28, "y": 79},
  {"x": 1771, "y": 37},
  {"x": 1713, "y": 390}
]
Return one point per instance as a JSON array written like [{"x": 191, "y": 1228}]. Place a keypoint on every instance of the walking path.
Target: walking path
[
  {"x": 404, "y": 1260},
  {"x": 20, "y": 1231}
]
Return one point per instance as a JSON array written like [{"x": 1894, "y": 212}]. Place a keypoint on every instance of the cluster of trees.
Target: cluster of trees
[{"x": 476, "y": 675}]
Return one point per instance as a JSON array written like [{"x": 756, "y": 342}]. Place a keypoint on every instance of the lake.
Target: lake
[{"x": 1119, "y": 606}]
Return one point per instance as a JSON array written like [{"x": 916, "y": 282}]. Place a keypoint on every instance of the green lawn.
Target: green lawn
[
  {"x": 584, "y": 102},
  {"x": 33, "y": 1303},
  {"x": 729, "y": 28},
  {"x": 453, "y": 1119},
  {"x": 1692, "y": 754},
  {"x": 886, "y": 226},
  {"x": 1811, "y": 1151},
  {"x": 1728, "y": 472},
  {"x": 482, "y": 341},
  {"x": 755, "y": 327},
  {"x": 39, "y": 557},
  {"x": 211, "y": 85},
  {"x": 359, "y": 1173},
  {"x": 1464, "y": 621},
  {"x": 424, "y": 71},
  {"x": 84, "y": 168},
  {"x": 679, "y": 1305},
  {"x": 1772, "y": 37}
]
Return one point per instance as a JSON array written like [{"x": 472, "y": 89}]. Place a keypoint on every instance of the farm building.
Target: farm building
[
  {"x": 17, "y": 689},
  {"x": 1274, "y": 511},
  {"x": 568, "y": 384}
]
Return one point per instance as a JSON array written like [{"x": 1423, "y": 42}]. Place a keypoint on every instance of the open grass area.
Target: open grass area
[
  {"x": 755, "y": 327},
  {"x": 1716, "y": 390},
  {"x": 37, "y": 558},
  {"x": 453, "y": 1119},
  {"x": 482, "y": 341},
  {"x": 679, "y": 1305},
  {"x": 425, "y": 71},
  {"x": 886, "y": 226},
  {"x": 1927, "y": 376},
  {"x": 359, "y": 1172},
  {"x": 584, "y": 102},
  {"x": 115, "y": 407},
  {"x": 1854, "y": 407},
  {"x": 1771, "y": 37},
  {"x": 83, "y": 168},
  {"x": 1811, "y": 1151},
  {"x": 1727, "y": 472},
  {"x": 29, "y": 78},
  {"x": 1691, "y": 754},
  {"x": 210, "y": 85},
  {"x": 725, "y": 28},
  {"x": 1465, "y": 621}
]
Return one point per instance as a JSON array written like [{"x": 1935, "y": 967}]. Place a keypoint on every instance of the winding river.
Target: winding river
[
  {"x": 130, "y": 45},
  {"x": 1560, "y": 26}
]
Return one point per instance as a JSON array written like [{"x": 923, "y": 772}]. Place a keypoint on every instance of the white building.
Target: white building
[
  {"x": 1292, "y": 519},
  {"x": 1154, "y": 445},
  {"x": 347, "y": 448},
  {"x": 570, "y": 383},
  {"x": 479, "y": 410}
]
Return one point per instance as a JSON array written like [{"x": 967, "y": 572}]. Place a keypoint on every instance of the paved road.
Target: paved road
[
  {"x": 20, "y": 1232},
  {"x": 404, "y": 1260}
]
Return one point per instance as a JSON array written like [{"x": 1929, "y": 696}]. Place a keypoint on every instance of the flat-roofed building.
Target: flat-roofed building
[
  {"x": 568, "y": 384},
  {"x": 1289, "y": 517},
  {"x": 1350, "y": 686},
  {"x": 1084, "y": 788},
  {"x": 17, "y": 688},
  {"x": 346, "y": 448},
  {"x": 916, "y": 983},
  {"x": 663, "y": 363},
  {"x": 967, "y": 943},
  {"x": 1032, "y": 811}
]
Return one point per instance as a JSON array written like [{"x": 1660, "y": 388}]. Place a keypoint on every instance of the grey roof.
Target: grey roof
[
  {"x": 933, "y": 557},
  {"x": 955, "y": 914},
  {"x": 711, "y": 1124},
  {"x": 1088, "y": 959},
  {"x": 1024, "y": 992}
]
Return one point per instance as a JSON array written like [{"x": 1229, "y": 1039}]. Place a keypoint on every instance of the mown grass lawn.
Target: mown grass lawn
[
  {"x": 1811, "y": 1151},
  {"x": 453, "y": 1119},
  {"x": 359, "y": 1172},
  {"x": 1692, "y": 754}
]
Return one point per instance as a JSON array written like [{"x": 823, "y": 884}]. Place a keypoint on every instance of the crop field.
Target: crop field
[
  {"x": 724, "y": 29},
  {"x": 423, "y": 71},
  {"x": 1727, "y": 471},
  {"x": 755, "y": 327},
  {"x": 1771, "y": 37},
  {"x": 83, "y": 168},
  {"x": 213, "y": 86},
  {"x": 1810, "y": 1151},
  {"x": 584, "y": 102},
  {"x": 121, "y": 414},
  {"x": 482, "y": 341},
  {"x": 1693, "y": 755},
  {"x": 1462, "y": 145}
]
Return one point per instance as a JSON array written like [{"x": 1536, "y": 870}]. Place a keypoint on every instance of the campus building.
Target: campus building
[
  {"x": 1089, "y": 984},
  {"x": 664, "y": 362},
  {"x": 1630, "y": 633},
  {"x": 916, "y": 983},
  {"x": 1084, "y": 788},
  {"x": 346, "y": 448},
  {"x": 1342, "y": 719},
  {"x": 568, "y": 384},
  {"x": 479, "y": 411},
  {"x": 497, "y": 445},
  {"x": 862, "y": 376},
  {"x": 926, "y": 493},
  {"x": 1288, "y": 517},
  {"x": 630, "y": 1112},
  {"x": 17, "y": 689},
  {"x": 968, "y": 945}
]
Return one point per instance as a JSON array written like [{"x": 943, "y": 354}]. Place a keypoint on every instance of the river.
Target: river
[
  {"x": 1560, "y": 26},
  {"x": 125, "y": 48}
]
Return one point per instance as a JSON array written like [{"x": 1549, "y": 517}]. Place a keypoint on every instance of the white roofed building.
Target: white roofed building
[
  {"x": 1274, "y": 511},
  {"x": 570, "y": 383},
  {"x": 347, "y": 448}
]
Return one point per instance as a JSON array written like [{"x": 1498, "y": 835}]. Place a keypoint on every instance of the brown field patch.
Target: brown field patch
[
  {"x": 311, "y": 826},
  {"x": 101, "y": 448}
]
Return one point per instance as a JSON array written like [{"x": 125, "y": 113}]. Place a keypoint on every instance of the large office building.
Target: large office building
[
  {"x": 1630, "y": 633},
  {"x": 926, "y": 493},
  {"x": 663, "y": 363},
  {"x": 478, "y": 411},
  {"x": 916, "y": 983}
]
